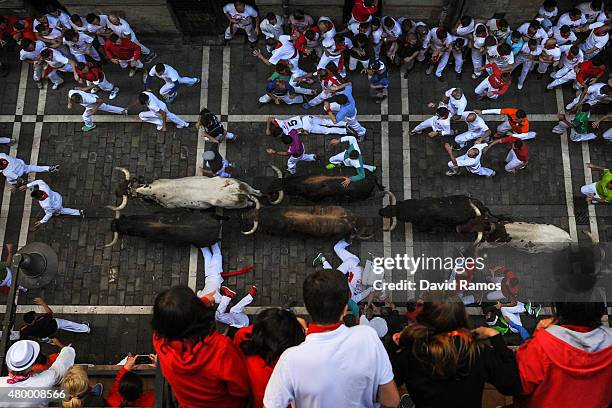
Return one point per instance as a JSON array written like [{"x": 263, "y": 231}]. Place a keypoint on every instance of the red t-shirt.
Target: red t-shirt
[
  {"x": 361, "y": 13},
  {"x": 209, "y": 373},
  {"x": 94, "y": 74},
  {"x": 115, "y": 399},
  {"x": 496, "y": 81},
  {"x": 259, "y": 372},
  {"x": 523, "y": 153},
  {"x": 586, "y": 71},
  {"x": 125, "y": 51}
]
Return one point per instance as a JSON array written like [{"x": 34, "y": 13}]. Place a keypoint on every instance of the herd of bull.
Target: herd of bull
[{"x": 184, "y": 221}]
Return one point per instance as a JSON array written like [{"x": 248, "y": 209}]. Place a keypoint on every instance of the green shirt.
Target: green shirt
[
  {"x": 360, "y": 170},
  {"x": 581, "y": 122},
  {"x": 276, "y": 76},
  {"x": 602, "y": 186}
]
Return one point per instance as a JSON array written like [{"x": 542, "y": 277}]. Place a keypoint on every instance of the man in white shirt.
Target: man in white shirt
[
  {"x": 14, "y": 169},
  {"x": 80, "y": 44},
  {"x": 158, "y": 112},
  {"x": 532, "y": 29},
  {"x": 241, "y": 17},
  {"x": 57, "y": 62},
  {"x": 454, "y": 100},
  {"x": 272, "y": 27},
  {"x": 499, "y": 28},
  {"x": 477, "y": 128},
  {"x": 172, "y": 81},
  {"x": 564, "y": 35},
  {"x": 20, "y": 358},
  {"x": 306, "y": 124},
  {"x": 439, "y": 124},
  {"x": 50, "y": 201},
  {"x": 551, "y": 54},
  {"x": 548, "y": 9},
  {"x": 573, "y": 18},
  {"x": 571, "y": 57},
  {"x": 529, "y": 54},
  {"x": 591, "y": 9},
  {"x": 593, "y": 95},
  {"x": 335, "y": 366},
  {"x": 92, "y": 103},
  {"x": 596, "y": 41},
  {"x": 30, "y": 53},
  {"x": 98, "y": 24},
  {"x": 478, "y": 49},
  {"x": 439, "y": 42},
  {"x": 122, "y": 28},
  {"x": 470, "y": 160}
]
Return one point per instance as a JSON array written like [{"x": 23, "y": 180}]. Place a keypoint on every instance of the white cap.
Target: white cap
[
  {"x": 380, "y": 325},
  {"x": 22, "y": 355}
]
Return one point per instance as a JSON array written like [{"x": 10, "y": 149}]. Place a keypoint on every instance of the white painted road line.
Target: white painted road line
[
  {"x": 384, "y": 140},
  {"x": 407, "y": 182},
  {"x": 588, "y": 179}
]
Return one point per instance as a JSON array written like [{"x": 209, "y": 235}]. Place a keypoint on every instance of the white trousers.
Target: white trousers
[
  {"x": 81, "y": 57},
  {"x": 322, "y": 96},
  {"x": 350, "y": 265},
  {"x": 525, "y": 70},
  {"x": 442, "y": 62},
  {"x": 124, "y": 64},
  {"x": 561, "y": 76},
  {"x": 512, "y": 162},
  {"x": 89, "y": 112},
  {"x": 351, "y": 122},
  {"x": 326, "y": 59},
  {"x": 37, "y": 71},
  {"x": 236, "y": 316},
  {"x": 354, "y": 61},
  {"x": 323, "y": 126},
  {"x": 513, "y": 314},
  {"x": 477, "y": 58},
  {"x": 543, "y": 67},
  {"x": 104, "y": 85},
  {"x": 426, "y": 124},
  {"x": 496, "y": 295},
  {"x": 590, "y": 100},
  {"x": 484, "y": 88},
  {"x": 293, "y": 161},
  {"x": 573, "y": 135},
  {"x": 156, "y": 119},
  {"x": 67, "y": 325},
  {"x": 462, "y": 138},
  {"x": 54, "y": 76},
  {"x": 505, "y": 127},
  {"x": 213, "y": 267},
  {"x": 590, "y": 190},
  {"x": 482, "y": 171},
  {"x": 248, "y": 28},
  {"x": 339, "y": 159},
  {"x": 285, "y": 98},
  {"x": 165, "y": 89},
  {"x": 67, "y": 211}
]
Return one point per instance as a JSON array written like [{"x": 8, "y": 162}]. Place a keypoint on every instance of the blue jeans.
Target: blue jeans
[{"x": 520, "y": 329}]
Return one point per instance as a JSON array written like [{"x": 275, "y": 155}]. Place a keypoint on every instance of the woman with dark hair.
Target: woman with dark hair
[
  {"x": 567, "y": 361},
  {"x": 261, "y": 344},
  {"x": 128, "y": 390},
  {"x": 203, "y": 367},
  {"x": 443, "y": 363}
]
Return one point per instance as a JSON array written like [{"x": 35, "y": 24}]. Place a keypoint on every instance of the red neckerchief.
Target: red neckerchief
[
  {"x": 44, "y": 196},
  {"x": 15, "y": 378},
  {"x": 322, "y": 328},
  {"x": 579, "y": 329}
]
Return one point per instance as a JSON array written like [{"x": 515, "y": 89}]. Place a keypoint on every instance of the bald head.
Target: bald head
[{"x": 457, "y": 93}]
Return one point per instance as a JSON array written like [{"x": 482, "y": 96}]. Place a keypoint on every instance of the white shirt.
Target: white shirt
[
  {"x": 478, "y": 41},
  {"x": 477, "y": 126},
  {"x": 528, "y": 51},
  {"x": 244, "y": 17},
  {"x": 94, "y": 28},
  {"x": 154, "y": 104},
  {"x": 594, "y": 94},
  {"x": 53, "y": 34},
  {"x": 567, "y": 63},
  {"x": 287, "y": 125},
  {"x": 565, "y": 19},
  {"x": 433, "y": 40},
  {"x": 465, "y": 31},
  {"x": 15, "y": 168},
  {"x": 342, "y": 368},
  {"x": 441, "y": 125},
  {"x": 32, "y": 55},
  {"x": 554, "y": 53},
  {"x": 170, "y": 75},
  {"x": 493, "y": 30},
  {"x": 562, "y": 40},
  {"x": 52, "y": 22},
  {"x": 63, "y": 19},
  {"x": 540, "y": 34},
  {"x": 50, "y": 205},
  {"x": 502, "y": 61},
  {"x": 395, "y": 31},
  {"x": 594, "y": 41},
  {"x": 601, "y": 18},
  {"x": 81, "y": 45},
  {"x": 57, "y": 60},
  {"x": 45, "y": 379},
  {"x": 272, "y": 31},
  {"x": 472, "y": 163},
  {"x": 548, "y": 14},
  {"x": 284, "y": 52},
  {"x": 89, "y": 99},
  {"x": 589, "y": 14},
  {"x": 458, "y": 105},
  {"x": 122, "y": 29},
  {"x": 81, "y": 28}
]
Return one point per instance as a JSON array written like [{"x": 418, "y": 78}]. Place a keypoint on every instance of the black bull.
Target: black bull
[
  {"x": 178, "y": 227},
  {"x": 435, "y": 213},
  {"x": 316, "y": 185}
]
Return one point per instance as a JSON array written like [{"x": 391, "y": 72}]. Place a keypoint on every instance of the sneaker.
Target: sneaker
[
  {"x": 88, "y": 128},
  {"x": 12, "y": 142},
  {"x": 94, "y": 90},
  {"x": 55, "y": 86},
  {"x": 330, "y": 166},
  {"x": 253, "y": 291},
  {"x": 475, "y": 76},
  {"x": 132, "y": 72},
  {"x": 198, "y": 80},
  {"x": 87, "y": 323},
  {"x": 54, "y": 169},
  {"x": 519, "y": 86},
  {"x": 319, "y": 259},
  {"x": 306, "y": 105},
  {"x": 82, "y": 212},
  {"x": 374, "y": 168},
  {"x": 451, "y": 173},
  {"x": 361, "y": 138},
  {"x": 225, "y": 291},
  {"x": 429, "y": 70},
  {"x": 97, "y": 389},
  {"x": 150, "y": 57},
  {"x": 182, "y": 126},
  {"x": 114, "y": 93},
  {"x": 493, "y": 174},
  {"x": 125, "y": 112},
  {"x": 39, "y": 84}
]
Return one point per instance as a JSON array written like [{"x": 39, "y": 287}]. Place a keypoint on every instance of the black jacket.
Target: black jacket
[{"x": 495, "y": 365}]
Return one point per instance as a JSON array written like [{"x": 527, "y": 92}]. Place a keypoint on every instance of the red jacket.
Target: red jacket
[
  {"x": 259, "y": 372},
  {"x": 207, "y": 374},
  {"x": 115, "y": 399},
  {"x": 586, "y": 71},
  {"x": 560, "y": 367},
  {"x": 361, "y": 13},
  {"x": 125, "y": 51},
  {"x": 496, "y": 81}
]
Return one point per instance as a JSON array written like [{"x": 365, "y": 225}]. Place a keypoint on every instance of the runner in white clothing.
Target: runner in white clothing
[
  {"x": 55, "y": 62},
  {"x": 572, "y": 56},
  {"x": 172, "y": 81},
  {"x": 122, "y": 28},
  {"x": 477, "y": 128},
  {"x": 158, "y": 113},
  {"x": 236, "y": 316},
  {"x": 80, "y": 45},
  {"x": 14, "y": 169},
  {"x": 593, "y": 95},
  {"x": 30, "y": 53},
  {"x": 439, "y": 124},
  {"x": 454, "y": 100},
  {"x": 92, "y": 103},
  {"x": 50, "y": 201},
  {"x": 470, "y": 160},
  {"x": 241, "y": 17},
  {"x": 306, "y": 124},
  {"x": 213, "y": 267},
  {"x": 528, "y": 56}
]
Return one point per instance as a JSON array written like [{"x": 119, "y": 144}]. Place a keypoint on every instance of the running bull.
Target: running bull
[
  {"x": 196, "y": 192},
  {"x": 178, "y": 227},
  {"x": 316, "y": 186},
  {"x": 316, "y": 221}
]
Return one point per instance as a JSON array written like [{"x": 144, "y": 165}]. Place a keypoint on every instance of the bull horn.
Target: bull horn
[
  {"x": 392, "y": 201},
  {"x": 476, "y": 210},
  {"x": 478, "y": 238},
  {"x": 125, "y": 171},
  {"x": 114, "y": 241},
  {"x": 255, "y": 223},
  {"x": 121, "y": 206},
  {"x": 281, "y": 193}
]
